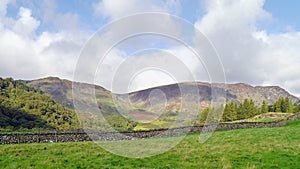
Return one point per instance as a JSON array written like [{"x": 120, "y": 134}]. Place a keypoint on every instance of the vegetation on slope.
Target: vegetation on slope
[
  {"x": 142, "y": 111},
  {"x": 22, "y": 106},
  {"x": 29, "y": 105}
]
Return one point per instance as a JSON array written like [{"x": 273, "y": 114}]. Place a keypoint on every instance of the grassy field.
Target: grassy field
[
  {"x": 266, "y": 119},
  {"x": 242, "y": 148},
  {"x": 259, "y": 120}
]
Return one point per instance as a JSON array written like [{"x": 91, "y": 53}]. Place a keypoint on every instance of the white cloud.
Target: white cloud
[
  {"x": 55, "y": 53},
  {"x": 3, "y": 10},
  {"x": 26, "y": 25},
  {"x": 28, "y": 55},
  {"x": 114, "y": 9},
  {"x": 62, "y": 21},
  {"x": 149, "y": 67},
  {"x": 3, "y": 7},
  {"x": 249, "y": 54}
]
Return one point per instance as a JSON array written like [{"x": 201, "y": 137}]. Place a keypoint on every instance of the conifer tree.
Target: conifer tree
[
  {"x": 230, "y": 112},
  {"x": 203, "y": 116},
  {"x": 247, "y": 109},
  {"x": 264, "y": 108},
  {"x": 277, "y": 105},
  {"x": 289, "y": 106},
  {"x": 296, "y": 108}
]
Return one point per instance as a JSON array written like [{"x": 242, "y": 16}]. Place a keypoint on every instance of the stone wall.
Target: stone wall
[{"x": 88, "y": 135}]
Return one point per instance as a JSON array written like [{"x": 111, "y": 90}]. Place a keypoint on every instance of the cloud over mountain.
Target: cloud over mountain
[{"x": 249, "y": 52}]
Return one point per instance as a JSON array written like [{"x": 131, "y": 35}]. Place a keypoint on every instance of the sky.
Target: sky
[{"x": 258, "y": 41}]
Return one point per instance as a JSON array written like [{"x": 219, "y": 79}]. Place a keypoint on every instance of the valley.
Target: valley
[{"x": 139, "y": 114}]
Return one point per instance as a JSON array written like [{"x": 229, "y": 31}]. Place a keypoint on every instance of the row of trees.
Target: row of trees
[
  {"x": 244, "y": 110},
  {"x": 282, "y": 105},
  {"x": 247, "y": 109}
]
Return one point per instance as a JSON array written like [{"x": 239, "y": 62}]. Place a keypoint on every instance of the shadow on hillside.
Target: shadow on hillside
[{"x": 16, "y": 119}]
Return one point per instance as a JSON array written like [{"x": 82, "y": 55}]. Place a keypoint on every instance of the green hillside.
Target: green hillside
[
  {"x": 48, "y": 104},
  {"x": 244, "y": 101},
  {"x": 24, "y": 107}
]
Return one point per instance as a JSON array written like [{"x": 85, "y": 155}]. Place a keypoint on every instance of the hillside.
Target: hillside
[
  {"x": 24, "y": 107},
  {"x": 47, "y": 104},
  {"x": 236, "y": 92},
  {"x": 61, "y": 91},
  {"x": 259, "y": 93},
  {"x": 144, "y": 112}
]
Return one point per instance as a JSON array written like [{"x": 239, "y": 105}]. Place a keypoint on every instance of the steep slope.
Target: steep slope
[
  {"x": 259, "y": 93},
  {"x": 26, "y": 107},
  {"x": 141, "y": 109},
  {"x": 29, "y": 104},
  {"x": 22, "y": 106},
  {"x": 61, "y": 91},
  {"x": 235, "y": 92}
]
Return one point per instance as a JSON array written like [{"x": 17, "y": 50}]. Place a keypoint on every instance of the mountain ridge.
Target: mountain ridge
[
  {"x": 196, "y": 82},
  {"x": 244, "y": 89},
  {"x": 144, "y": 106},
  {"x": 51, "y": 78},
  {"x": 148, "y": 110}
]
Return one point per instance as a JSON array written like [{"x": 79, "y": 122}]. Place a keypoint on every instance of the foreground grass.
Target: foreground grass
[{"x": 242, "y": 148}]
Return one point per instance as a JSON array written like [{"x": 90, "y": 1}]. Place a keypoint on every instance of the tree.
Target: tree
[
  {"x": 271, "y": 108},
  {"x": 241, "y": 111},
  {"x": 253, "y": 111},
  {"x": 203, "y": 116},
  {"x": 264, "y": 108},
  {"x": 288, "y": 105},
  {"x": 277, "y": 105},
  {"x": 247, "y": 109},
  {"x": 296, "y": 108},
  {"x": 230, "y": 112},
  {"x": 283, "y": 105}
]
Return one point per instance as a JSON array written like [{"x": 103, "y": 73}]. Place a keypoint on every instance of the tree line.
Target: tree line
[{"x": 246, "y": 109}]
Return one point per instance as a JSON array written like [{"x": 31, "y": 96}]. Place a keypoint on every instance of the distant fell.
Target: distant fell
[{"x": 61, "y": 91}]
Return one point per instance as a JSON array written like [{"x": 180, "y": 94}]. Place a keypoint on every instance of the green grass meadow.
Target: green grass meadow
[{"x": 242, "y": 148}]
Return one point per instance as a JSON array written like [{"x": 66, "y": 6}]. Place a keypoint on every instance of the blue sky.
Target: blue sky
[
  {"x": 257, "y": 40},
  {"x": 285, "y": 13}
]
